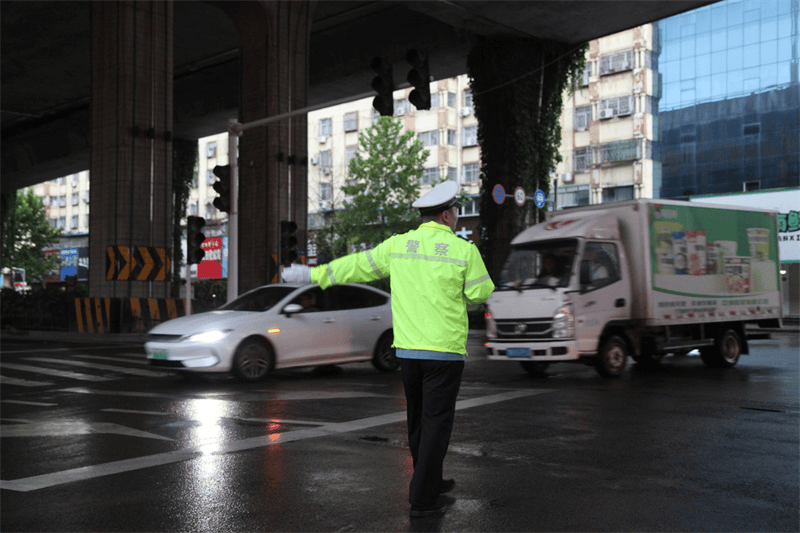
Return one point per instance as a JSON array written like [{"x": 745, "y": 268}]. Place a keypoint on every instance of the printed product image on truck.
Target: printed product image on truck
[{"x": 643, "y": 278}]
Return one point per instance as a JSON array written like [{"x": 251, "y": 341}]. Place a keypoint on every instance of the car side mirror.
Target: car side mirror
[{"x": 292, "y": 309}]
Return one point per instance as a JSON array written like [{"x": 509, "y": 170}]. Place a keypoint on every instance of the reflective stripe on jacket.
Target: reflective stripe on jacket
[{"x": 434, "y": 275}]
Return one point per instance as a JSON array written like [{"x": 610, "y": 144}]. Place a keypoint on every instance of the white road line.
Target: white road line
[
  {"x": 119, "y": 358},
  {"x": 120, "y": 369},
  {"x": 81, "y": 390},
  {"x": 22, "y": 402},
  {"x": 134, "y": 412},
  {"x": 5, "y": 380},
  {"x": 53, "y": 372},
  {"x": 40, "y": 350},
  {"x": 149, "y": 461}
]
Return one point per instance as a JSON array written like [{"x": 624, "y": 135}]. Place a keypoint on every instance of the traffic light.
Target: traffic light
[
  {"x": 384, "y": 85},
  {"x": 194, "y": 240},
  {"x": 223, "y": 188},
  {"x": 420, "y": 78},
  {"x": 288, "y": 242}
]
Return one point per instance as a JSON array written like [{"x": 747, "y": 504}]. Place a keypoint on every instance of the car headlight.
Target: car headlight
[
  {"x": 564, "y": 323},
  {"x": 209, "y": 336}
]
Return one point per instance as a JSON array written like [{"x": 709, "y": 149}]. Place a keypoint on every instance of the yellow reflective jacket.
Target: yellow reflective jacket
[{"x": 433, "y": 274}]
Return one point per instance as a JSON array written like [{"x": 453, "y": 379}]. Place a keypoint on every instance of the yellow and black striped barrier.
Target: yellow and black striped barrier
[
  {"x": 97, "y": 315},
  {"x": 125, "y": 315}
]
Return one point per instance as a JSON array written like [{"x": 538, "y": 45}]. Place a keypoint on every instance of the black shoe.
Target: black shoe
[
  {"x": 420, "y": 511},
  {"x": 447, "y": 485}
]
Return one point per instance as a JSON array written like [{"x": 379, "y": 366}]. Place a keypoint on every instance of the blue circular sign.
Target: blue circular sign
[
  {"x": 499, "y": 193},
  {"x": 538, "y": 198}
]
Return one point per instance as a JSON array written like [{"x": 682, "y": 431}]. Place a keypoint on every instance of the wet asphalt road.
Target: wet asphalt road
[{"x": 118, "y": 447}]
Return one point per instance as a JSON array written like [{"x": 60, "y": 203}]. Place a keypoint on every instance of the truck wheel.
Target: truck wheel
[
  {"x": 253, "y": 360},
  {"x": 726, "y": 352},
  {"x": 612, "y": 357},
  {"x": 533, "y": 368}
]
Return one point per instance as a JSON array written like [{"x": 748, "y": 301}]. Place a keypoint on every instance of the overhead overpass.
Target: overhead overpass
[{"x": 108, "y": 85}]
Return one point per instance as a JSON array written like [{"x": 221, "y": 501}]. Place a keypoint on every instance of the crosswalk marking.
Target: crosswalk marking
[
  {"x": 5, "y": 380},
  {"x": 82, "y": 364},
  {"x": 53, "y": 372}
]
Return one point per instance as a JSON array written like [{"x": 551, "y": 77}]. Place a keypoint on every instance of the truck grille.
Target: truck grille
[{"x": 530, "y": 328}]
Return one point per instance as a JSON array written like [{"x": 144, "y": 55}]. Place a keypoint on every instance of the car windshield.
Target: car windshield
[
  {"x": 538, "y": 264},
  {"x": 260, "y": 299}
]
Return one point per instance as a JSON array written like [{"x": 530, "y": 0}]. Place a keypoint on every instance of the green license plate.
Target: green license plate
[{"x": 160, "y": 355}]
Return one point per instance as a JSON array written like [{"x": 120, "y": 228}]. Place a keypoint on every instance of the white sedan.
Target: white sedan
[{"x": 280, "y": 326}]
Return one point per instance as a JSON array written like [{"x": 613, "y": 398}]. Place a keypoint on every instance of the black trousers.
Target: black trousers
[{"x": 431, "y": 389}]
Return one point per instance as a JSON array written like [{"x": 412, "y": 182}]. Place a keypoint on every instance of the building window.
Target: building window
[
  {"x": 587, "y": 73},
  {"x": 429, "y": 138},
  {"x": 620, "y": 151},
  {"x": 471, "y": 172},
  {"x": 325, "y": 126},
  {"x": 451, "y": 99},
  {"x": 211, "y": 149},
  {"x": 430, "y": 176},
  {"x": 434, "y": 100},
  {"x": 350, "y": 153},
  {"x": 86, "y": 221},
  {"x": 573, "y": 195},
  {"x": 470, "y": 207},
  {"x": 62, "y": 201},
  {"x": 452, "y": 138},
  {"x": 470, "y": 136},
  {"x": 583, "y": 116},
  {"x": 325, "y": 191},
  {"x": 211, "y": 211},
  {"x": 54, "y": 201},
  {"x": 74, "y": 180},
  {"x": 351, "y": 121},
  {"x": 210, "y": 177},
  {"x": 54, "y": 223},
  {"x": 617, "y": 194},
  {"x": 616, "y": 107},
  {"x": 582, "y": 159},
  {"x": 75, "y": 198},
  {"x": 613, "y": 63},
  {"x": 74, "y": 222},
  {"x": 86, "y": 197},
  {"x": 193, "y": 209},
  {"x": 401, "y": 106},
  {"x": 325, "y": 159},
  {"x": 62, "y": 223},
  {"x": 452, "y": 173},
  {"x": 468, "y": 98}
]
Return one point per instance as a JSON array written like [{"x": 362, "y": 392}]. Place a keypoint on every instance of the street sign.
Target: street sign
[
  {"x": 499, "y": 194},
  {"x": 519, "y": 196},
  {"x": 538, "y": 198}
]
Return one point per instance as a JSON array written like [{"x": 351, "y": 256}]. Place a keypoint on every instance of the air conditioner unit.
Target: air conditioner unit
[
  {"x": 314, "y": 160},
  {"x": 324, "y": 205},
  {"x": 465, "y": 111},
  {"x": 323, "y": 139},
  {"x": 606, "y": 113},
  {"x": 567, "y": 177}
]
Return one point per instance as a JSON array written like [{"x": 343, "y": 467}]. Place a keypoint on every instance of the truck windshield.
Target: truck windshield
[{"x": 539, "y": 265}]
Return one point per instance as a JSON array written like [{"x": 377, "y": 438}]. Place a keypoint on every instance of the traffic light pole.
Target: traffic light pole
[{"x": 233, "y": 215}]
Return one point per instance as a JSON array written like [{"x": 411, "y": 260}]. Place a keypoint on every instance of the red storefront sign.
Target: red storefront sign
[{"x": 211, "y": 265}]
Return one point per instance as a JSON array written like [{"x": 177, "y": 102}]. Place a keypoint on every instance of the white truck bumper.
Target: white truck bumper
[{"x": 541, "y": 352}]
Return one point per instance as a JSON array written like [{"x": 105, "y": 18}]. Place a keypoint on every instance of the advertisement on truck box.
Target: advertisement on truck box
[{"x": 707, "y": 262}]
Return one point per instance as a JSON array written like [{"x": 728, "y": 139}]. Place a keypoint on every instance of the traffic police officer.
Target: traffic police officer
[{"x": 434, "y": 275}]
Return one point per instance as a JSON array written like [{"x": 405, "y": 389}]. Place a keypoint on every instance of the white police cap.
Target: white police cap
[{"x": 443, "y": 196}]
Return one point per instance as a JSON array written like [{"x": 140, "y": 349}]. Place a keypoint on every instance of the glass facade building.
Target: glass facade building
[{"x": 729, "y": 102}]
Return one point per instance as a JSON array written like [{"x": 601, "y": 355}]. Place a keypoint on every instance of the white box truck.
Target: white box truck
[{"x": 642, "y": 278}]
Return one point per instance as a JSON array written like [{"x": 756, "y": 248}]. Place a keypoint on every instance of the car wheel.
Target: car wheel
[
  {"x": 385, "y": 358},
  {"x": 612, "y": 358},
  {"x": 253, "y": 360},
  {"x": 533, "y": 368}
]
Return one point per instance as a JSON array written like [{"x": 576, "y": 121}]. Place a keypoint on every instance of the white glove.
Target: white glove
[{"x": 297, "y": 274}]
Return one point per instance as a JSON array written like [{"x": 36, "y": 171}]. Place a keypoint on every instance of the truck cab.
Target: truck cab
[{"x": 564, "y": 286}]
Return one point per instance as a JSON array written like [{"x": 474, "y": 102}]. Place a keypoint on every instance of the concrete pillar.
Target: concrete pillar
[
  {"x": 131, "y": 160},
  {"x": 274, "y": 39}
]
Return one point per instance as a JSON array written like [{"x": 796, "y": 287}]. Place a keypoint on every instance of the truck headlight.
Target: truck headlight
[{"x": 564, "y": 323}]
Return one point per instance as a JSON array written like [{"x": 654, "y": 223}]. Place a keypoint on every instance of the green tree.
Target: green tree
[
  {"x": 385, "y": 178},
  {"x": 26, "y": 234}
]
